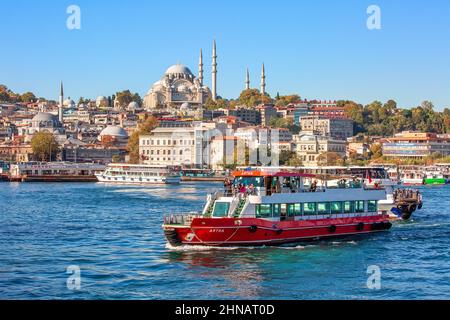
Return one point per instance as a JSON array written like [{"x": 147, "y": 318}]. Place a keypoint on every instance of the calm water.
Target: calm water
[{"x": 113, "y": 233}]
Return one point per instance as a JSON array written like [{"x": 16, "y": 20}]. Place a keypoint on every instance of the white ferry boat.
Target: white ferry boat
[
  {"x": 139, "y": 174},
  {"x": 54, "y": 172},
  {"x": 273, "y": 207},
  {"x": 395, "y": 203}
]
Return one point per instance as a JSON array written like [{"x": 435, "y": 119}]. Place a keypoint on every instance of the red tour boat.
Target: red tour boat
[{"x": 273, "y": 207}]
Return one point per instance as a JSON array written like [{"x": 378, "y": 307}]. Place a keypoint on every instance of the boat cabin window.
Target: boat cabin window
[
  {"x": 294, "y": 209},
  {"x": 372, "y": 206},
  {"x": 221, "y": 209},
  {"x": 336, "y": 207},
  {"x": 309, "y": 208},
  {"x": 348, "y": 206},
  {"x": 323, "y": 208},
  {"x": 263, "y": 210},
  {"x": 359, "y": 206},
  {"x": 276, "y": 210}
]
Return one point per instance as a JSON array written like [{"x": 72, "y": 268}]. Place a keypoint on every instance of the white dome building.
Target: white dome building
[
  {"x": 101, "y": 101},
  {"x": 44, "y": 121},
  {"x": 177, "y": 86},
  {"x": 132, "y": 106},
  {"x": 114, "y": 131},
  {"x": 69, "y": 103}
]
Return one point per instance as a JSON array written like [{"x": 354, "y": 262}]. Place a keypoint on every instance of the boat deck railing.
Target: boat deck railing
[{"x": 181, "y": 218}]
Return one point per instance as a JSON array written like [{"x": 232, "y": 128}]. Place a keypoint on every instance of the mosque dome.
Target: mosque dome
[
  {"x": 114, "y": 131},
  {"x": 69, "y": 103},
  {"x": 44, "y": 117},
  {"x": 178, "y": 68},
  {"x": 101, "y": 101}
]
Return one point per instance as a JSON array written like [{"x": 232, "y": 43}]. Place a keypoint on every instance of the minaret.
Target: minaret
[
  {"x": 247, "y": 81},
  {"x": 61, "y": 101},
  {"x": 214, "y": 72},
  {"x": 263, "y": 81},
  {"x": 200, "y": 68}
]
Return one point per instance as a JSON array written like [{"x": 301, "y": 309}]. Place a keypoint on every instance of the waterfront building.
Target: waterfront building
[
  {"x": 416, "y": 145},
  {"x": 16, "y": 152},
  {"x": 335, "y": 127},
  {"x": 178, "y": 143},
  {"x": 309, "y": 147}
]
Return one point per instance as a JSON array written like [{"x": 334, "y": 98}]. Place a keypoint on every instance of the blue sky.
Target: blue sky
[{"x": 318, "y": 49}]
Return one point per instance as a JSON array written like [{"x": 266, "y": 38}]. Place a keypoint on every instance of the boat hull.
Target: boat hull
[
  {"x": 127, "y": 180},
  {"x": 258, "y": 232},
  {"x": 435, "y": 181}
]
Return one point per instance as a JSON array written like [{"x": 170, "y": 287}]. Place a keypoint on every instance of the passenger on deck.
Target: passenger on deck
[
  {"x": 313, "y": 187},
  {"x": 251, "y": 189}
]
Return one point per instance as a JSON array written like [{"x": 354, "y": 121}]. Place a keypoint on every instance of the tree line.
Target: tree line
[{"x": 386, "y": 119}]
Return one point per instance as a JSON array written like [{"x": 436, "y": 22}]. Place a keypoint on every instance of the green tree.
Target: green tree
[
  {"x": 143, "y": 128},
  {"x": 286, "y": 100},
  {"x": 44, "y": 145},
  {"x": 28, "y": 97},
  {"x": 126, "y": 97},
  {"x": 252, "y": 98},
  {"x": 210, "y": 104},
  {"x": 329, "y": 159}
]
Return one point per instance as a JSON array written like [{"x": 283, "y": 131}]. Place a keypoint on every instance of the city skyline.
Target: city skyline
[{"x": 319, "y": 51}]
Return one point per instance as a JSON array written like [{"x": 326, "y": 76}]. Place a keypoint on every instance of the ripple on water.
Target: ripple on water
[{"x": 113, "y": 233}]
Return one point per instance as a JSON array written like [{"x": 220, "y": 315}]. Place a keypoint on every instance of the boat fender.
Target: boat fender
[
  {"x": 332, "y": 229},
  {"x": 279, "y": 231},
  {"x": 420, "y": 206},
  {"x": 387, "y": 225},
  {"x": 360, "y": 226},
  {"x": 377, "y": 226},
  {"x": 253, "y": 229}
]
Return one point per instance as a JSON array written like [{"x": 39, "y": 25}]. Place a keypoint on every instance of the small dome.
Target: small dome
[
  {"x": 114, "y": 131},
  {"x": 133, "y": 105},
  {"x": 101, "y": 101},
  {"x": 68, "y": 103},
  {"x": 44, "y": 116},
  {"x": 178, "y": 68}
]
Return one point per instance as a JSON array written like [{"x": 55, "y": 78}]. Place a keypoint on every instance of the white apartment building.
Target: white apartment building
[
  {"x": 309, "y": 147},
  {"x": 186, "y": 145}
]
